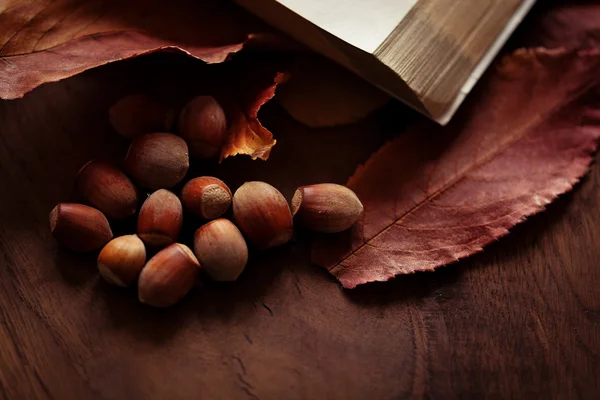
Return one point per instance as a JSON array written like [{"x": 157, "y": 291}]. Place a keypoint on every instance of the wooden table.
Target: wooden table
[{"x": 521, "y": 320}]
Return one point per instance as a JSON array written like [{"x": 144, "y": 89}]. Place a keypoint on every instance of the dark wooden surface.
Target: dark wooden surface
[{"x": 521, "y": 320}]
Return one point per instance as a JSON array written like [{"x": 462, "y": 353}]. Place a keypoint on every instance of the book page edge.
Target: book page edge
[
  {"x": 485, "y": 62},
  {"x": 348, "y": 56}
]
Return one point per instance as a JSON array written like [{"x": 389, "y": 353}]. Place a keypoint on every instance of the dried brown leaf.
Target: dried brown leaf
[
  {"x": 435, "y": 195},
  {"x": 48, "y": 40},
  {"x": 246, "y": 133}
]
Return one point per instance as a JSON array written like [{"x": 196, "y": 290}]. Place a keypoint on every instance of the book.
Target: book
[{"x": 427, "y": 53}]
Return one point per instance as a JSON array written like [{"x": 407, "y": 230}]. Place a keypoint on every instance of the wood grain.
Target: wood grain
[{"x": 521, "y": 320}]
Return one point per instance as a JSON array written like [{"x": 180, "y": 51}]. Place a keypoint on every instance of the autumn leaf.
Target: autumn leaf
[
  {"x": 572, "y": 25},
  {"x": 48, "y": 40},
  {"x": 253, "y": 84},
  {"x": 435, "y": 195}
]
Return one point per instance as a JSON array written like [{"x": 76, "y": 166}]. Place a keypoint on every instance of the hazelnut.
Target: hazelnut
[
  {"x": 121, "y": 260},
  {"x": 157, "y": 160},
  {"x": 104, "y": 186},
  {"x": 207, "y": 197},
  {"x": 221, "y": 249},
  {"x": 326, "y": 207},
  {"x": 160, "y": 219},
  {"x": 168, "y": 276},
  {"x": 202, "y": 123},
  {"x": 262, "y": 214},
  {"x": 79, "y": 227},
  {"x": 137, "y": 114}
]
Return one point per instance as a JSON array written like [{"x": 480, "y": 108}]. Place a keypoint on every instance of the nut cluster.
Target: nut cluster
[{"x": 154, "y": 257}]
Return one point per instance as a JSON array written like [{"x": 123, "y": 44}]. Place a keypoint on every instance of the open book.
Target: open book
[{"x": 427, "y": 53}]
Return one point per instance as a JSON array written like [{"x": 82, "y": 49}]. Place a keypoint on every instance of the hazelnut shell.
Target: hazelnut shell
[
  {"x": 221, "y": 249},
  {"x": 160, "y": 219},
  {"x": 168, "y": 276},
  {"x": 203, "y": 124},
  {"x": 157, "y": 160},
  {"x": 262, "y": 214},
  {"x": 79, "y": 227},
  {"x": 105, "y": 187},
  {"x": 326, "y": 207},
  {"x": 206, "y": 197},
  {"x": 121, "y": 260}
]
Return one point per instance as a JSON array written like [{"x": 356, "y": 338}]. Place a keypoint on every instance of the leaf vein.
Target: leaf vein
[{"x": 510, "y": 141}]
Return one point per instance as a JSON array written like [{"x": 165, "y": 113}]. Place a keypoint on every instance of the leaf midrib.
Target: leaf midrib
[{"x": 485, "y": 159}]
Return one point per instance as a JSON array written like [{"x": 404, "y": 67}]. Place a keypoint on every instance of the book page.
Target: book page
[
  {"x": 362, "y": 23},
  {"x": 438, "y": 47}
]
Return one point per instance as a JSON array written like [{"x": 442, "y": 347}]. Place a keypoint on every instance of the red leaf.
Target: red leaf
[
  {"x": 573, "y": 25},
  {"x": 48, "y": 40},
  {"x": 435, "y": 195}
]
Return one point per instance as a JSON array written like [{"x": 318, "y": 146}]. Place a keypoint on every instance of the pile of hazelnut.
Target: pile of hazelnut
[{"x": 157, "y": 162}]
